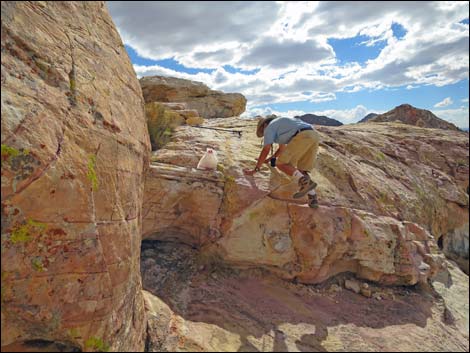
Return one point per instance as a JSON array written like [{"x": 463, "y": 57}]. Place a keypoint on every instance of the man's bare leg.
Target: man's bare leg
[
  {"x": 305, "y": 183},
  {"x": 286, "y": 168}
]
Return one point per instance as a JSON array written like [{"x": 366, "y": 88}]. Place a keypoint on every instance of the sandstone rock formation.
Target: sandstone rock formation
[
  {"x": 319, "y": 120},
  {"x": 74, "y": 148},
  {"x": 408, "y": 114},
  {"x": 389, "y": 194},
  {"x": 209, "y": 103},
  {"x": 392, "y": 198}
]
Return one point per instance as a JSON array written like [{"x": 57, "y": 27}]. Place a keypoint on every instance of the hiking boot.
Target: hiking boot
[
  {"x": 312, "y": 201},
  {"x": 305, "y": 185}
]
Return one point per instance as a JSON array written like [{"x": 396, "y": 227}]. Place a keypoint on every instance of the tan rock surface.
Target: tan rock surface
[
  {"x": 383, "y": 204},
  {"x": 74, "y": 147},
  {"x": 196, "y": 95}
]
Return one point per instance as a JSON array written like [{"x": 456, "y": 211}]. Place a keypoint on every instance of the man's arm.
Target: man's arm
[{"x": 262, "y": 157}]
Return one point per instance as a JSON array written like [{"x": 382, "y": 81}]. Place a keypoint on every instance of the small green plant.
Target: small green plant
[
  {"x": 229, "y": 179},
  {"x": 97, "y": 344},
  {"x": 74, "y": 333},
  {"x": 383, "y": 197},
  {"x": 8, "y": 152},
  {"x": 380, "y": 156},
  {"x": 220, "y": 168},
  {"x": 23, "y": 233},
  {"x": 91, "y": 174},
  {"x": 37, "y": 264},
  {"x": 253, "y": 215},
  {"x": 160, "y": 124}
]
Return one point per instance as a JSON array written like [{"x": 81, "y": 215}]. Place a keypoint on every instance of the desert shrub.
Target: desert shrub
[{"x": 161, "y": 123}]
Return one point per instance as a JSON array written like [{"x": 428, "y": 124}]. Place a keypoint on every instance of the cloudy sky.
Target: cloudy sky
[{"x": 340, "y": 59}]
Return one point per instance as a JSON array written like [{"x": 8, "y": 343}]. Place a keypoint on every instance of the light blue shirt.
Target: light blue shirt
[{"x": 281, "y": 130}]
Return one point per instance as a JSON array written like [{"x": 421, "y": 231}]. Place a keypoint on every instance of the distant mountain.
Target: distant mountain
[
  {"x": 410, "y": 115},
  {"x": 319, "y": 120},
  {"x": 368, "y": 117}
]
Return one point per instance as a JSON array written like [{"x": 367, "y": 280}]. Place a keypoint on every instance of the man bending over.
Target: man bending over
[{"x": 298, "y": 148}]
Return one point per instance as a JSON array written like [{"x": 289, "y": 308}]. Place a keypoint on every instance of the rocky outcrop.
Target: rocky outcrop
[
  {"x": 408, "y": 114},
  {"x": 368, "y": 117},
  {"x": 319, "y": 120},
  {"x": 74, "y": 148},
  {"x": 208, "y": 103},
  {"x": 387, "y": 193}
]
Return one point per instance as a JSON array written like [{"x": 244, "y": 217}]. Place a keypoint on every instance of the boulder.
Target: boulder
[
  {"x": 73, "y": 157},
  {"x": 195, "y": 95},
  {"x": 352, "y": 286}
]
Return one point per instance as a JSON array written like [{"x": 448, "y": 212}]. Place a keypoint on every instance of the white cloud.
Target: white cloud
[
  {"x": 271, "y": 52},
  {"x": 184, "y": 29},
  {"x": 444, "y": 103},
  {"x": 288, "y": 43},
  {"x": 348, "y": 116},
  {"x": 458, "y": 116},
  {"x": 465, "y": 100}
]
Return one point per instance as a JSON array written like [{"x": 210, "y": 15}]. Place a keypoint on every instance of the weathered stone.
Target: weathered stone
[
  {"x": 377, "y": 218},
  {"x": 73, "y": 157},
  {"x": 452, "y": 285},
  {"x": 181, "y": 204},
  {"x": 168, "y": 332},
  {"x": 195, "y": 95},
  {"x": 352, "y": 286}
]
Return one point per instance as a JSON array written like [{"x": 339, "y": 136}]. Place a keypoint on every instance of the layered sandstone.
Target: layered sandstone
[
  {"x": 196, "y": 95},
  {"x": 74, "y": 148},
  {"x": 390, "y": 194}
]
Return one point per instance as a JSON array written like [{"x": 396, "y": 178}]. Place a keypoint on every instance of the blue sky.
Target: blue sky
[{"x": 343, "y": 60}]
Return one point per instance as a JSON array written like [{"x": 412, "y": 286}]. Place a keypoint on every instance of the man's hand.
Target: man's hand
[{"x": 262, "y": 157}]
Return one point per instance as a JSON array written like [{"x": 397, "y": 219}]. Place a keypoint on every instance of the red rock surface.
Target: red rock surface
[{"x": 74, "y": 148}]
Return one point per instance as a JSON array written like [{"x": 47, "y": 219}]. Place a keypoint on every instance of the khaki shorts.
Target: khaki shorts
[{"x": 301, "y": 151}]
